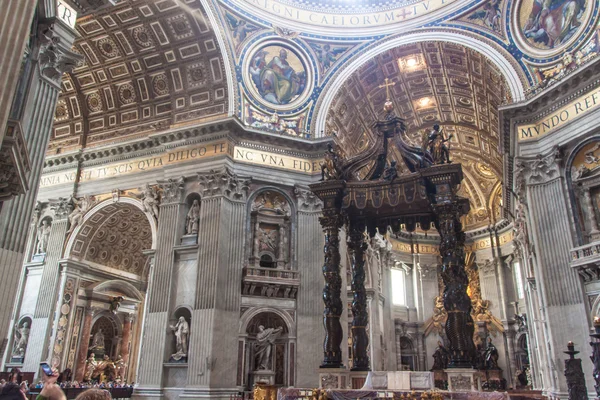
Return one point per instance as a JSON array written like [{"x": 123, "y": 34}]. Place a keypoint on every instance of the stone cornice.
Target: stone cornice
[{"x": 157, "y": 143}]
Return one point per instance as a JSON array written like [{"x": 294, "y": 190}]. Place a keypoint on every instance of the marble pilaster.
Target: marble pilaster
[
  {"x": 50, "y": 62},
  {"x": 215, "y": 314},
  {"x": 542, "y": 189},
  {"x": 309, "y": 304},
  {"x": 170, "y": 227},
  {"x": 45, "y": 312}
]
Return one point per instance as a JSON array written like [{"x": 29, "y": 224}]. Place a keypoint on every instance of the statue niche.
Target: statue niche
[
  {"x": 270, "y": 219},
  {"x": 103, "y": 338},
  {"x": 192, "y": 220},
  {"x": 21, "y": 338},
  {"x": 268, "y": 348}
]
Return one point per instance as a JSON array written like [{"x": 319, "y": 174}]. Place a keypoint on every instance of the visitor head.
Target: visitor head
[
  {"x": 94, "y": 394},
  {"x": 12, "y": 391}
]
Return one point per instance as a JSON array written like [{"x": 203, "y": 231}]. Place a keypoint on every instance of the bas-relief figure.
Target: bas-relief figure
[
  {"x": 279, "y": 80},
  {"x": 552, "y": 22},
  {"x": 80, "y": 207},
  {"x": 150, "y": 200},
  {"x": 181, "y": 331},
  {"x": 193, "y": 219},
  {"x": 43, "y": 234},
  {"x": 265, "y": 338},
  {"x": 267, "y": 239},
  {"x": 20, "y": 340}
]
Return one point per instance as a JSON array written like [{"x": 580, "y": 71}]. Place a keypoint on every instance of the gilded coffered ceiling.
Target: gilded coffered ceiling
[
  {"x": 115, "y": 237},
  {"x": 148, "y": 66},
  {"x": 433, "y": 83}
]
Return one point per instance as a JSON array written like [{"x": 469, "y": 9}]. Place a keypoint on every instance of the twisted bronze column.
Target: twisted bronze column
[
  {"x": 332, "y": 221},
  {"x": 360, "y": 314},
  {"x": 459, "y": 325}
]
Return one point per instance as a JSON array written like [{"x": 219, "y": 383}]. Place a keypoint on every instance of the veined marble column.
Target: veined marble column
[
  {"x": 49, "y": 294},
  {"x": 542, "y": 186},
  {"x": 309, "y": 305},
  {"x": 125, "y": 342},
  {"x": 52, "y": 59},
  {"x": 16, "y": 19},
  {"x": 84, "y": 344},
  {"x": 220, "y": 258},
  {"x": 156, "y": 324}
]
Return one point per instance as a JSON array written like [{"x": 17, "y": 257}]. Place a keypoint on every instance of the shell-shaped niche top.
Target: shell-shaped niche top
[{"x": 270, "y": 202}]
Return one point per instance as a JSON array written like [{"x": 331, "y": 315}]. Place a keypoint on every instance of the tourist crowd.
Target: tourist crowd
[{"x": 49, "y": 389}]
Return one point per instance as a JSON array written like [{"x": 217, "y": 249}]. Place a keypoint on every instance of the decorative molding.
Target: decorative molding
[
  {"x": 172, "y": 190},
  {"x": 539, "y": 170},
  {"x": 307, "y": 201},
  {"x": 223, "y": 183},
  {"x": 62, "y": 207},
  {"x": 54, "y": 60}
]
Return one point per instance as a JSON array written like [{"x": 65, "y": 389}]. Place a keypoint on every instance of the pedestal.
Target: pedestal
[
  {"x": 40, "y": 257},
  {"x": 333, "y": 378},
  {"x": 189, "y": 239},
  {"x": 264, "y": 377},
  {"x": 462, "y": 380}
]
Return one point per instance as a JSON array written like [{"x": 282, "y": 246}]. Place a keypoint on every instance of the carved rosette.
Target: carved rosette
[
  {"x": 459, "y": 325},
  {"x": 332, "y": 221},
  {"x": 172, "y": 190},
  {"x": 224, "y": 183},
  {"x": 360, "y": 340}
]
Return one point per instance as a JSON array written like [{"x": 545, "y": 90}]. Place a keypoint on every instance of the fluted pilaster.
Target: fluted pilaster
[
  {"x": 36, "y": 123},
  {"x": 170, "y": 225},
  {"x": 309, "y": 304},
  {"x": 560, "y": 286},
  {"x": 220, "y": 260}
]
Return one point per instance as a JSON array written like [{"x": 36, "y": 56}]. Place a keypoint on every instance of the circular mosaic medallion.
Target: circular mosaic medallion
[
  {"x": 276, "y": 75},
  {"x": 544, "y": 28}
]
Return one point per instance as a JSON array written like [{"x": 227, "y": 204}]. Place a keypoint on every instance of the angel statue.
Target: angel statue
[
  {"x": 80, "y": 207},
  {"x": 115, "y": 303},
  {"x": 330, "y": 169},
  {"x": 150, "y": 200},
  {"x": 435, "y": 144},
  {"x": 21, "y": 340}
]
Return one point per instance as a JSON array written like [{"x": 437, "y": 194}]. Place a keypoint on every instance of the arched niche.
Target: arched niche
[
  {"x": 407, "y": 355},
  {"x": 583, "y": 179},
  {"x": 114, "y": 235},
  {"x": 20, "y": 339},
  {"x": 282, "y": 356},
  {"x": 271, "y": 227},
  {"x": 192, "y": 218},
  {"x": 105, "y": 336}
]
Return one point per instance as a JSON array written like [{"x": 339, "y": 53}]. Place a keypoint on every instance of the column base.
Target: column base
[
  {"x": 463, "y": 380},
  {"x": 333, "y": 378}
]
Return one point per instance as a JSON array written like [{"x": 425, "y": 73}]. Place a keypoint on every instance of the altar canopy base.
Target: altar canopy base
[{"x": 337, "y": 394}]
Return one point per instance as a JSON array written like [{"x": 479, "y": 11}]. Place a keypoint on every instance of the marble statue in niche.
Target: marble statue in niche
[
  {"x": 43, "y": 234},
  {"x": 263, "y": 347},
  {"x": 193, "y": 219},
  {"x": 181, "y": 331},
  {"x": 270, "y": 214},
  {"x": 98, "y": 341},
  {"x": 20, "y": 340}
]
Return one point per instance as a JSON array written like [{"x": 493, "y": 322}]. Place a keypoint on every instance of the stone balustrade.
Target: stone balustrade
[
  {"x": 586, "y": 259},
  {"x": 270, "y": 282}
]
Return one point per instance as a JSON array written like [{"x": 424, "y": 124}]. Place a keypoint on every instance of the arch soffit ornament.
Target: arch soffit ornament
[
  {"x": 101, "y": 205},
  {"x": 247, "y": 317},
  {"x": 275, "y": 189},
  {"x": 513, "y": 77},
  {"x": 228, "y": 56},
  {"x": 117, "y": 326},
  {"x": 120, "y": 286}
]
